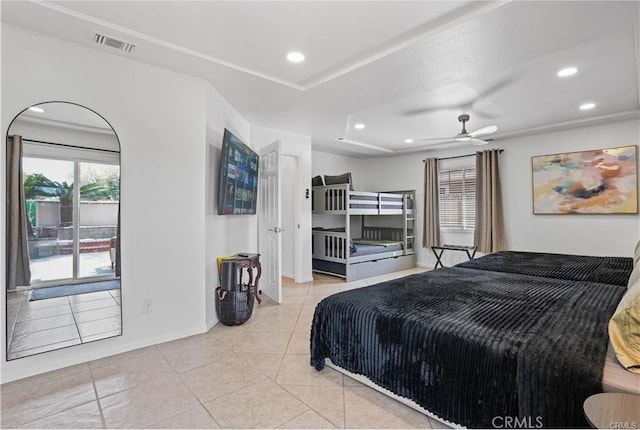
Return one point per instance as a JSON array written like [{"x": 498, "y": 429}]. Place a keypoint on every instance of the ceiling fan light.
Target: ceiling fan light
[{"x": 463, "y": 139}]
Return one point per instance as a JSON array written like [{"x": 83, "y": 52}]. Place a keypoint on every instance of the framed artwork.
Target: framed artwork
[{"x": 602, "y": 181}]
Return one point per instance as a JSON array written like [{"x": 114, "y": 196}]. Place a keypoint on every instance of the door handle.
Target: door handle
[{"x": 276, "y": 230}]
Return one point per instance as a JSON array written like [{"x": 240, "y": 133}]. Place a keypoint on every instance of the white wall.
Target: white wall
[
  {"x": 167, "y": 124},
  {"x": 333, "y": 164},
  {"x": 297, "y": 146},
  {"x": 51, "y": 131},
  {"x": 289, "y": 174},
  {"x": 98, "y": 213},
  {"x": 574, "y": 234},
  {"x": 225, "y": 234},
  {"x": 399, "y": 173}
]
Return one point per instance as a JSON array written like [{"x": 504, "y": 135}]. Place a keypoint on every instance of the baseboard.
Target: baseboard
[
  {"x": 212, "y": 322},
  {"x": 9, "y": 375}
]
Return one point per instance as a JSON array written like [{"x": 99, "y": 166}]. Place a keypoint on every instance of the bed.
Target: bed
[
  {"x": 469, "y": 344},
  {"x": 375, "y": 249}
]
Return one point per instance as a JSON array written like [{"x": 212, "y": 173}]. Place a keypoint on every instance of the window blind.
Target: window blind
[{"x": 457, "y": 199}]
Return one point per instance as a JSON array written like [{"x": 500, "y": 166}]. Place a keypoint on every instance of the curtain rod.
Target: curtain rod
[
  {"x": 461, "y": 156},
  {"x": 70, "y": 146}
]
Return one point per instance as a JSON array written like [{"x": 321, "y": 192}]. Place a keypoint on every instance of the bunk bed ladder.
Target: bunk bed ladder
[{"x": 407, "y": 238}]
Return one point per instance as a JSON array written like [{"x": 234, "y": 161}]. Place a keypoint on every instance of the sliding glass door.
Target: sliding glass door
[
  {"x": 98, "y": 219},
  {"x": 72, "y": 207},
  {"x": 48, "y": 189}
]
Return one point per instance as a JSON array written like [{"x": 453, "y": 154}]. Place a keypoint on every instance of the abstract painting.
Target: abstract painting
[{"x": 603, "y": 181}]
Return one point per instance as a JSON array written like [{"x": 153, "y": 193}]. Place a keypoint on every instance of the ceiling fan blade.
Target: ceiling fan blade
[
  {"x": 478, "y": 142},
  {"x": 435, "y": 139},
  {"x": 467, "y": 105},
  {"x": 485, "y": 130}
]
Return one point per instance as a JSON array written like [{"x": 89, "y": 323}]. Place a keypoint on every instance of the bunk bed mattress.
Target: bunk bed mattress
[
  {"x": 608, "y": 270},
  {"x": 471, "y": 345},
  {"x": 369, "y": 249}
]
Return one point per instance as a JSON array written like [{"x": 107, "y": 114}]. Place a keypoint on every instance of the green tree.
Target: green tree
[{"x": 37, "y": 186}]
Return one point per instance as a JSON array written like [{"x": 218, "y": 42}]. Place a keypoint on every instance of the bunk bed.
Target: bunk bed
[{"x": 376, "y": 250}]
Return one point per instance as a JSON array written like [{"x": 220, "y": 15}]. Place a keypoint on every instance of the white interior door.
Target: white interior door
[{"x": 269, "y": 221}]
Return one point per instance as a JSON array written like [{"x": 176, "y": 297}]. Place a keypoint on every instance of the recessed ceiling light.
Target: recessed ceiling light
[
  {"x": 587, "y": 106},
  {"x": 359, "y": 126},
  {"x": 36, "y": 109},
  {"x": 295, "y": 57},
  {"x": 567, "y": 71},
  {"x": 408, "y": 141}
]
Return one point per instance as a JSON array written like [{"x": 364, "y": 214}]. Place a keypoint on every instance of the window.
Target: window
[{"x": 457, "y": 199}]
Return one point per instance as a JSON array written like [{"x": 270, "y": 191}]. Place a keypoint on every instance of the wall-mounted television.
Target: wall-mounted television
[{"x": 238, "y": 190}]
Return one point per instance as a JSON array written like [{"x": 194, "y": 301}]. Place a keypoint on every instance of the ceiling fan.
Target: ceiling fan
[{"x": 465, "y": 136}]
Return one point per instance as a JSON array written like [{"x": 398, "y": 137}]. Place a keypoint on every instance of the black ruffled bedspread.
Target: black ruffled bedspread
[
  {"x": 607, "y": 270},
  {"x": 474, "y": 346}
]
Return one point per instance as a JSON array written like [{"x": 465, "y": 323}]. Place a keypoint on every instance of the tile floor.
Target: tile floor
[
  {"x": 256, "y": 375},
  {"x": 45, "y": 325}
]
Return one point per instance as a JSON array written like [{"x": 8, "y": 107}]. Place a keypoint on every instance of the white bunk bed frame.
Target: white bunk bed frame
[{"x": 334, "y": 246}]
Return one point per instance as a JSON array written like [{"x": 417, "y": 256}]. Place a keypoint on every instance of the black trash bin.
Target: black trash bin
[
  {"x": 234, "y": 301},
  {"x": 235, "y": 307}
]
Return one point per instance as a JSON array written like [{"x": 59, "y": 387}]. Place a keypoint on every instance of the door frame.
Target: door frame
[
  {"x": 76, "y": 156},
  {"x": 297, "y": 200}
]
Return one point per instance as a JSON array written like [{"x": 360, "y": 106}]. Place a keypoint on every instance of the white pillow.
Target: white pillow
[
  {"x": 635, "y": 275},
  {"x": 624, "y": 328}
]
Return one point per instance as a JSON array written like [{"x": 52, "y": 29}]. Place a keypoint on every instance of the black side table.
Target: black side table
[
  {"x": 250, "y": 261},
  {"x": 470, "y": 250}
]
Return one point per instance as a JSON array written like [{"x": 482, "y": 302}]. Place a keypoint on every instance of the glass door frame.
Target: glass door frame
[{"x": 76, "y": 156}]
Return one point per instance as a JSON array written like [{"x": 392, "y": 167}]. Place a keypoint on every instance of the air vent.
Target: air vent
[{"x": 101, "y": 39}]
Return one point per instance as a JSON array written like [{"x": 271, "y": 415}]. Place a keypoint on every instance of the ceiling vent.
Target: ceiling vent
[{"x": 101, "y": 39}]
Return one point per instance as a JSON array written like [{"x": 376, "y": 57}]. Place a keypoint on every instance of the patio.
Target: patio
[{"x": 61, "y": 266}]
